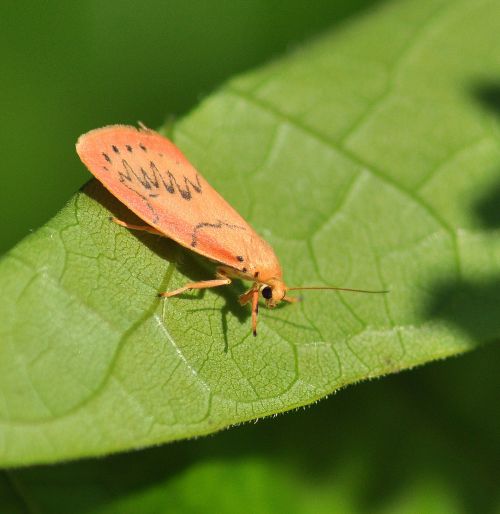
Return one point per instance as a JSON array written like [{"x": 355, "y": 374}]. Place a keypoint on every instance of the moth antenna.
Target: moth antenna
[{"x": 335, "y": 289}]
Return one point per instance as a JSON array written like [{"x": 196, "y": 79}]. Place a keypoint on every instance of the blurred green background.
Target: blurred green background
[
  {"x": 68, "y": 67},
  {"x": 424, "y": 441}
]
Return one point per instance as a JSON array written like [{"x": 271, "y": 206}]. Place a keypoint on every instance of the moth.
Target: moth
[{"x": 151, "y": 176}]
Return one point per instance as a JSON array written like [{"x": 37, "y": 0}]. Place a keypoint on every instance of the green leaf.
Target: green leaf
[
  {"x": 367, "y": 159},
  {"x": 413, "y": 443}
]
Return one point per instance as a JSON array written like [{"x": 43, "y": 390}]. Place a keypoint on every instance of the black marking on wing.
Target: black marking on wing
[
  {"x": 129, "y": 148},
  {"x": 185, "y": 191},
  {"x": 128, "y": 172},
  {"x": 152, "y": 178},
  {"x": 219, "y": 224},
  {"x": 106, "y": 156},
  {"x": 145, "y": 180},
  {"x": 115, "y": 149}
]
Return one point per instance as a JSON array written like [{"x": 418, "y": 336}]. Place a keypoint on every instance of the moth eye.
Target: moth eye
[{"x": 267, "y": 293}]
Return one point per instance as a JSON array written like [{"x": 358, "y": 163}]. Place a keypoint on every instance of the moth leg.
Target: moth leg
[
  {"x": 246, "y": 297},
  {"x": 255, "y": 310},
  {"x": 145, "y": 228},
  {"x": 204, "y": 284},
  {"x": 252, "y": 296}
]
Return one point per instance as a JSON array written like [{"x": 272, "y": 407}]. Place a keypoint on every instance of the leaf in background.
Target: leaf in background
[{"x": 366, "y": 159}]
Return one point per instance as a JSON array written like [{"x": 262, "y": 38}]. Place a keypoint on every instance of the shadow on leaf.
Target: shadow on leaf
[
  {"x": 192, "y": 266},
  {"x": 488, "y": 95},
  {"x": 488, "y": 209},
  {"x": 472, "y": 306}
]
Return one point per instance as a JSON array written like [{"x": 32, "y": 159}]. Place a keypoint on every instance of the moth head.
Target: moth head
[{"x": 273, "y": 292}]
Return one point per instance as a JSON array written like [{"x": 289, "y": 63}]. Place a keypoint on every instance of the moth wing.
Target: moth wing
[{"x": 152, "y": 177}]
